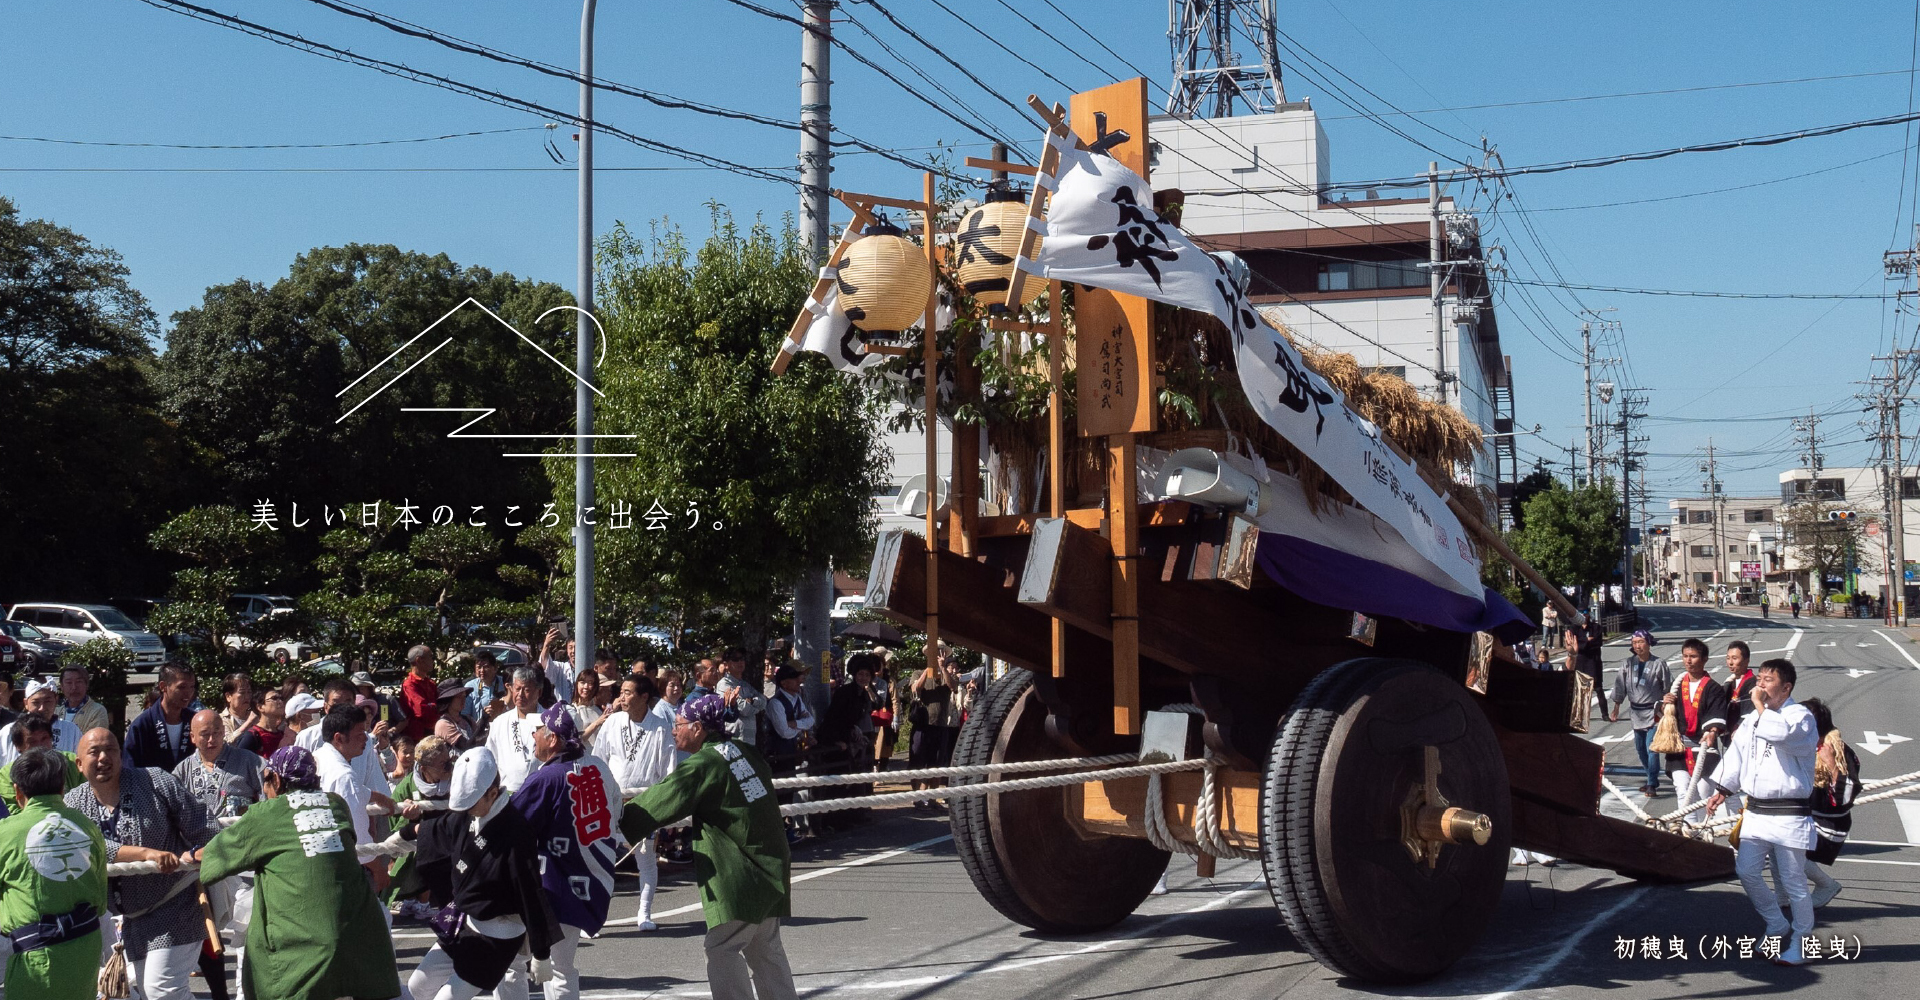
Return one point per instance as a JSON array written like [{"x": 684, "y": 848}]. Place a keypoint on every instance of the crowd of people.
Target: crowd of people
[
  {"x": 504, "y": 804},
  {"x": 1742, "y": 740}
]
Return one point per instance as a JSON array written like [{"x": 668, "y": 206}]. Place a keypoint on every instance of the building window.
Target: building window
[
  {"x": 1701, "y": 551},
  {"x": 1680, "y": 515},
  {"x": 1699, "y": 517},
  {"x": 1909, "y": 488},
  {"x": 1762, "y": 515},
  {"x": 1397, "y": 371},
  {"x": 1703, "y": 577},
  {"x": 1342, "y": 276}
]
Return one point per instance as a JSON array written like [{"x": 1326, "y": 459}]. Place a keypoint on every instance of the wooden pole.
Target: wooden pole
[
  {"x": 1492, "y": 540},
  {"x": 1056, "y": 443},
  {"x": 930, "y": 359},
  {"x": 1123, "y": 532}
]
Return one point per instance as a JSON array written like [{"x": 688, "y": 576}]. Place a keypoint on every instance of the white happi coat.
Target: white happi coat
[{"x": 1771, "y": 756}]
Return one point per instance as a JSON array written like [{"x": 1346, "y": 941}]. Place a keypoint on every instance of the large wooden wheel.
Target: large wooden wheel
[
  {"x": 1350, "y": 755},
  {"x": 1018, "y": 848}
]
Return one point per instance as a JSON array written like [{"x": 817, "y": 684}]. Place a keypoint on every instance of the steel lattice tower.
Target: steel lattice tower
[{"x": 1209, "y": 79}]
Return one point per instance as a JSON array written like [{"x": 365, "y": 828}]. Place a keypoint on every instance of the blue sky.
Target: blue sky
[{"x": 123, "y": 71}]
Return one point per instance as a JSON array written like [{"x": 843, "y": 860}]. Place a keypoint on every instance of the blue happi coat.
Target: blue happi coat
[{"x": 571, "y": 805}]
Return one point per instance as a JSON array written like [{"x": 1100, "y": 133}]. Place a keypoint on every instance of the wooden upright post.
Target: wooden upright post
[
  {"x": 930, "y": 357},
  {"x": 1056, "y": 442},
  {"x": 1116, "y": 368}
]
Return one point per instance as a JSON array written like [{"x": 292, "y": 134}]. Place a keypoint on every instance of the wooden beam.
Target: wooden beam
[
  {"x": 1631, "y": 849},
  {"x": 869, "y": 200},
  {"x": 981, "y": 163},
  {"x": 1491, "y": 539},
  {"x": 1068, "y": 575},
  {"x": 930, "y": 367},
  {"x": 1555, "y": 769}
]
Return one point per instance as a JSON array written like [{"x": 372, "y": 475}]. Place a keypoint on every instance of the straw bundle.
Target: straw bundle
[{"x": 1666, "y": 736}]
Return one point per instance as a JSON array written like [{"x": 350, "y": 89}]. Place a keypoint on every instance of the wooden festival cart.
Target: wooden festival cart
[{"x": 1379, "y": 768}]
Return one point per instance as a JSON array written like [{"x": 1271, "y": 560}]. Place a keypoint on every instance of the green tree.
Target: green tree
[
  {"x": 1571, "y": 536},
  {"x": 87, "y": 467},
  {"x": 1531, "y": 485},
  {"x": 224, "y": 546},
  {"x": 1822, "y": 544},
  {"x": 444, "y": 553},
  {"x": 364, "y": 589},
  {"x": 253, "y": 375},
  {"x": 779, "y": 470}
]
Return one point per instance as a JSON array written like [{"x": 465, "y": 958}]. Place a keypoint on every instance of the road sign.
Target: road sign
[{"x": 1749, "y": 571}]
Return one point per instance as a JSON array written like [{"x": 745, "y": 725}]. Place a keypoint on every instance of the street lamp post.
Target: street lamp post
[{"x": 584, "y": 645}]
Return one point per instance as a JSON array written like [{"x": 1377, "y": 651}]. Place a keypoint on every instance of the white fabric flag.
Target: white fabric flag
[
  {"x": 1101, "y": 230},
  {"x": 831, "y": 333}
]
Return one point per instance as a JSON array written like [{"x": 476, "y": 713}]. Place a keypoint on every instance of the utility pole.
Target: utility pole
[
  {"x": 1436, "y": 281},
  {"x": 584, "y": 641},
  {"x": 1712, "y": 468},
  {"x": 1586, "y": 366},
  {"x": 1808, "y": 428},
  {"x": 813, "y": 592},
  {"x": 1893, "y": 460},
  {"x": 1627, "y": 466}
]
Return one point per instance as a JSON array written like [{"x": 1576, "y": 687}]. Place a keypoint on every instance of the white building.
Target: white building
[
  {"x": 1864, "y": 493},
  {"x": 1725, "y": 540},
  {"x": 1347, "y": 275}
]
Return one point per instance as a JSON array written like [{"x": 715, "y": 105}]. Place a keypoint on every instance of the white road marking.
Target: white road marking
[
  {"x": 1879, "y": 743},
  {"x": 1603, "y": 740},
  {"x": 1566, "y": 947},
  {"x": 1795, "y": 641},
  {"x": 1856, "y": 673},
  {"x": 1898, "y": 648},
  {"x": 1877, "y": 861},
  {"x": 1883, "y": 843}
]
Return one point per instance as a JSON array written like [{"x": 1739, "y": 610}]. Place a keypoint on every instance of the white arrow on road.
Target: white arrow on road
[
  {"x": 1856, "y": 673},
  {"x": 1610, "y": 739},
  {"x": 1824, "y": 645},
  {"x": 1878, "y": 743},
  {"x": 1863, "y": 645}
]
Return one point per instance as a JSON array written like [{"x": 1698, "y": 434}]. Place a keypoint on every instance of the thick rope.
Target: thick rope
[
  {"x": 392, "y": 847},
  {"x": 956, "y": 771},
  {"x": 1206, "y": 820},
  {"x": 1158, "y": 833},
  {"x": 1638, "y": 812}
]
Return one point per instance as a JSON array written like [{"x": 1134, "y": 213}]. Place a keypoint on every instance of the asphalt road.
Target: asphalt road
[{"x": 886, "y": 911}]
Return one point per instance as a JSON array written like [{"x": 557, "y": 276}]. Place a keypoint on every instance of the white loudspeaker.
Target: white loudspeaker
[{"x": 1200, "y": 475}]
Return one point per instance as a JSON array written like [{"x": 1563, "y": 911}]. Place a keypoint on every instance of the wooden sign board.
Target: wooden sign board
[{"x": 1113, "y": 349}]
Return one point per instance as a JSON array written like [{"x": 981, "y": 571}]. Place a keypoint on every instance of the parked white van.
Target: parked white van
[{"x": 77, "y": 623}]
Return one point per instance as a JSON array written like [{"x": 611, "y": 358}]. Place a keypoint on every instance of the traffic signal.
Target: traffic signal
[
  {"x": 1841, "y": 515},
  {"x": 1661, "y": 529}
]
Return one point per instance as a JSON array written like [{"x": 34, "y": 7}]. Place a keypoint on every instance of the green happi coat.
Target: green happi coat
[
  {"x": 739, "y": 841},
  {"x": 52, "y": 859},
  {"x": 74, "y": 780},
  {"x": 317, "y": 932}
]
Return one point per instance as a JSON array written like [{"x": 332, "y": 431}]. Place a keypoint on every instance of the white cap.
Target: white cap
[
  {"x": 303, "y": 702},
  {"x": 473, "y": 774},
  {"x": 36, "y": 686}
]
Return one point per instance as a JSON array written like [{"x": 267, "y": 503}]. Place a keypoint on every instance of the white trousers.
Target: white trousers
[
  {"x": 432, "y": 975},
  {"x": 747, "y": 962},
  {"x": 164, "y": 972},
  {"x": 1790, "y": 869},
  {"x": 565, "y": 984},
  {"x": 647, "y": 859},
  {"x": 1818, "y": 876}
]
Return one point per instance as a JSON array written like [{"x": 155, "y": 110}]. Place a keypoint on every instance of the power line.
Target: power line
[
  {"x": 1771, "y": 139},
  {"x": 877, "y": 68},
  {"x": 1579, "y": 98},
  {"x": 290, "y": 40},
  {"x": 272, "y": 145},
  {"x": 942, "y": 53},
  {"x": 1036, "y": 67},
  {"x": 1870, "y": 296},
  {"x": 1725, "y": 190},
  {"x": 655, "y": 98},
  {"x": 914, "y": 68}
]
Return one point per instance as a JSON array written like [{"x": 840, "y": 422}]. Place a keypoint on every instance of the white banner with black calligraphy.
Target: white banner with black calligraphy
[
  {"x": 1101, "y": 230},
  {"x": 831, "y": 333}
]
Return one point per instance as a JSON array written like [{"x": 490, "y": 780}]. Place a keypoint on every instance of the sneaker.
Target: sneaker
[
  {"x": 1824, "y": 895},
  {"x": 1160, "y": 887},
  {"x": 1792, "y": 956},
  {"x": 646, "y": 925}
]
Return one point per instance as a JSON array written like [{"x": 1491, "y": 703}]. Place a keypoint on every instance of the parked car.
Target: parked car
[
  {"x": 142, "y": 608},
  {"x": 508, "y": 654},
  {"x": 38, "y": 651},
  {"x": 77, "y": 623},
  {"x": 11, "y": 658},
  {"x": 251, "y": 608}
]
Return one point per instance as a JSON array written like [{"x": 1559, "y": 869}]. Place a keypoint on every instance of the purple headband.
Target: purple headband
[
  {"x": 295, "y": 766},
  {"x": 709, "y": 710},
  {"x": 558, "y": 721}
]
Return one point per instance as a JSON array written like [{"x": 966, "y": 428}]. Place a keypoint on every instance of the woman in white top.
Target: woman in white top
[
  {"x": 637, "y": 742},
  {"x": 586, "y": 700}
]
